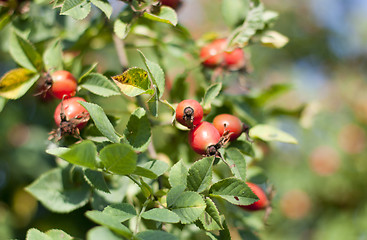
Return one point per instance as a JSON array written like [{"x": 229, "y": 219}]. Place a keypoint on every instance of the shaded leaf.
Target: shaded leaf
[
  {"x": 77, "y": 9},
  {"x": 189, "y": 206},
  {"x": 52, "y": 57},
  {"x": 210, "y": 94},
  {"x": 156, "y": 74},
  {"x": 24, "y": 53},
  {"x": 15, "y": 83},
  {"x": 211, "y": 219},
  {"x": 200, "y": 175},
  {"x": 82, "y": 154},
  {"x": 161, "y": 215},
  {"x": 101, "y": 121},
  {"x": 99, "y": 84},
  {"x": 174, "y": 193},
  {"x": 237, "y": 162},
  {"x": 98, "y": 233},
  {"x": 243, "y": 145},
  {"x": 166, "y": 15},
  {"x": 134, "y": 82},
  {"x": 177, "y": 175},
  {"x": 119, "y": 158},
  {"x": 138, "y": 132},
  {"x": 235, "y": 11},
  {"x": 122, "y": 211},
  {"x": 96, "y": 180},
  {"x": 104, "y": 6},
  {"x": 156, "y": 234},
  {"x": 233, "y": 190},
  {"x": 55, "y": 191},
  {"x": 270, "y": 133}
]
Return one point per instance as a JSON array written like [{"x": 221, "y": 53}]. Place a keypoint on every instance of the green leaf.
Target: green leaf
[
  {"x": 98, "y": 233},
  {"x": 88, "y": 71},
  {"x": 210, "y": 94},
  {"x": 100, "y": 85},
  {"x": 174, "y": 193},
  {"x": 104, "y": 6},
  {"x": 122, "y": 211},
  {"x": 233, "y": 190},
  {"x": 112, "y": 222},
  {"x": 177, "y": 175},
  {"x": 200, "y": 175},
  {"x": 5, "y": 19},
  {"x": 273, "y": 91},
  {"x": 57, "y": 234},
  {"x": 24, "y": 53},
  {"x": 156, "y": 74},
  {"x": 161, "y": 215},
  {"x": 35, "y": 234},
  {"x": 243, "y": 145},
  {"x": 166, "y": 15},
  {"x": 82, "y": 154},
  {"x": 134, "y": 82},
  {"x": 3, "y": 101},
  {"x": 52, "y": 57},
  {"x": 77, "y": 9},
  {"x": 153, "y": 105},
  {"x": 235, "y": 11},
  {"x": 96, "y": 180},
  {"x": 15, "y": 83},
  {"x": 254, "y": 22},
  {"x": 210, "y": 218},
  {"x": 156, "y": 234},
  {"x": 101, "y": 121},
  {"x": 123, "y": 23},
  {"x": 151, "y": 169},
  {"x": 225, "y": 233},
  {"x": 137, "y": 132},
  {"x": 189, "y": 206},
  {"x": 237, "y": 162},
  {"x": 118, "y": 158},
  {"x": 55, "y": 191},
  {"x": 270, "y": 133},
  {"x": 273, "y": 39}
]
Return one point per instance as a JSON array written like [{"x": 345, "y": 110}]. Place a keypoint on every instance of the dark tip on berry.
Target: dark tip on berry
[{"x": 212, "y": 150}]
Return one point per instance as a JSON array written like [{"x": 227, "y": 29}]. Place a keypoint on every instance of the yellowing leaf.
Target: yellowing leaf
[
  {"x": 16, "y": 82},
  {"x": 273, "y": 39},
  {"x": 133, "y": 82}
]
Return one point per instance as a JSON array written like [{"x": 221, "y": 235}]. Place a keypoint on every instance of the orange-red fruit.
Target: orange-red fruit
[
  {"x": 63, "y": 84},
  {"x": 259, "y": 204},
  {"x": 203, "y": 136},
  {"x": 71, "y": 109},
  {"x": 214, "y": 54},
  {"x": 228, "y": 122},
  {"x": 197, "y": 112}
]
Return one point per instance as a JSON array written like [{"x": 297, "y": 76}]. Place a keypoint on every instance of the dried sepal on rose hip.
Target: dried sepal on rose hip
[
  {"x": 70, "y": 116},
  {"x": 61, "y": 84},
  {"x": 189, "y": 113}
]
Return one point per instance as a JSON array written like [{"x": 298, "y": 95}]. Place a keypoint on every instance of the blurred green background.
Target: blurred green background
[{"x": 321, "y": 183}]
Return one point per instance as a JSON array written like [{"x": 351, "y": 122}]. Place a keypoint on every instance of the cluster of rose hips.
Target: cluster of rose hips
[
  {"x": 215, "y": 54},
  {"x": 70, "y": 116},
  {"x": 206, "y": 138}
]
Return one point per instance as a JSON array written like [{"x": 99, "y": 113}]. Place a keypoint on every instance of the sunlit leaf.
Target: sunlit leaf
[
  {"x": 270, "y": 133},
  {"x": 15, "y": 83},
  {"x": 189, "y": 206},
  {"x": 99, "y": 84},
  {"x": 78, "y": 9},
  {"x": 177, "y": 175},
  {"x": 104, "y": 5},
  {"x": 118, "y": 158},
  {"x": 200, "y": 175},
  {"x": 166, "y": 15},
  {"x": 134, "y": 82},
  {"x": 161, "y": 215}
]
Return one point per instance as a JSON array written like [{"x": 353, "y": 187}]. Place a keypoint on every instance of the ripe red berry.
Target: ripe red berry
[
  {"x": 72, "y": 109},
  {"x": 203, "y": 138},
  {"x": 259, "y": 204},
  {"x": 171, "y": 3},
  {"x": 214, "y": 54},
  {"x": 228, "y": 122},
  {"x": 189, "y": 113},
  {"x": 63, "y": 84}
]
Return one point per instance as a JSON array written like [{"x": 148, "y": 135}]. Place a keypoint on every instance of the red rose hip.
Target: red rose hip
[
  {"x": 64, "y": 84},
  {"x": 259, "y": 204},
  {"x": 72, "y": 109},
  {"x": 228, "y": 122},
  {"x": 189, "y": 113},
  {"x": 204, "y": 138}
]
